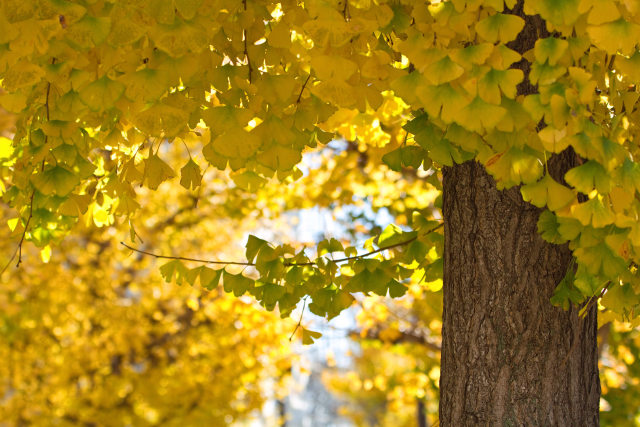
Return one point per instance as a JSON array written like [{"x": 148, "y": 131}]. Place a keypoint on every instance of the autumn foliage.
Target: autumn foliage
[{"x": 121, "y": 112}]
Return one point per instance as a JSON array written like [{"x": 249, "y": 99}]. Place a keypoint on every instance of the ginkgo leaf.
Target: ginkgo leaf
[
  {"x": 566, "y": 292},
  {"x": 442, "y": 101},
  {"x": 236, "y": 283},
  {"x": 558, "y": 12},
  {"x": 279, "y": 157},
  {"x": 174, "y": 270},
  {"x": 156, "y": 171},
  {"x": 187, "y": 8},
  {"x": 179, "y": 38},
  {"x": 630, "y": 66},
  {"x": 545, "y": 73},
  {"x": 328, "y": 67},
  {"x": 393, "y": 235},
  {"x": 474, "y": 54},
  {"x": 329, "y": 246},
  {"x": 586, "y": 281},
  {"x": 547, "y": 192},
  {"x": 405, "y": 86},
  {"x": 254, "y": 246},
  {"x": 513, "y": 167},
  {"x": 584, "y": 82},
  {"x": 550, "y": 49},
  {"x": 146, "y": 84},
  {"x": 56, "y": 180},
  {"x": 89, "y": 31},
  {"x": 603, "y": 11},
  {"x": 548, "y": 227},
  {"x": 443, "y": 71},
  {"x": 620, "y": 35},
  {"x": 630, "y": 175},
  {"x": 336, "y": 92},
  {"x": 594, "y": 212},
  {"x": 209, "y": 278},
  {"x": 589, "y": 176},
  {"x": 237, "y": 143},
  {"x": 479, "y": 115},
  {"x": 309, "y": 337},
  {"x": 21, "y": 75},
  {"x": 190, "y": 175},
  {"x": 161, "y": 120},
  {"x": 268, "y": 294},
  {"x": 500, "y": 27},
  {"x": 393, "y": 159},
  {"x": 248, "y": 180},
  {"x": 101, "y": 94},
  {"x": 494, "y": 81}
]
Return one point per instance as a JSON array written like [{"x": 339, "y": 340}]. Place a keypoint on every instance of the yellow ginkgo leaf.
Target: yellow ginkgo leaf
[
  {"x": 603, "y": 11},
  {"x": 336, "y": 91},
  {"x": 442, "y": 98},
  {"x": 156, "y": 171},
  {"x": 500, "y": 27},
  {"x": 328, "y": 67},
  {"x": 620, "y": 35},
  {"x": 443, "y": 71},
  {"x": 550, "y": 49},
  {"x": 479, "y": 115},
  {"x": 547, "y": 192},
  {"x": 21, "y": 75},
  {"x": 593, "y": 212},
  {"x": 101, "y": 94},
  {"x": 237, "y": 143},
  {"x": 190, "y": 175}
]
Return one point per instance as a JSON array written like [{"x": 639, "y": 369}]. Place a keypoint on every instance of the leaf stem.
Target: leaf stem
[{"x": 304, "y": 305}]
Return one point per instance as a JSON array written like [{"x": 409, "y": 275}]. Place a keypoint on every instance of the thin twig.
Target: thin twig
[
  {"x": 181, "y": 258},
  {"x": 304, "y": 304},
  {"x": 345, "y": 11},
  {"x": 286, "y": 264},
  {"x": 302, "y": 90},
  {"x": 593, "y": 300},
  {"x": 246, "y": 51},
  {"x": 18, "y": 250},
  {"x": 246, "y": 54}
]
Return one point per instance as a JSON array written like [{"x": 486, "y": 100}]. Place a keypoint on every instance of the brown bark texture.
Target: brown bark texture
[{"x": 509, "y": 358}]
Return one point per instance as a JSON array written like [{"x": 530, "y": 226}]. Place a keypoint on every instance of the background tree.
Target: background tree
[
  {"x": 542, "y": 95},
  {"x": 94, "y": 336}
]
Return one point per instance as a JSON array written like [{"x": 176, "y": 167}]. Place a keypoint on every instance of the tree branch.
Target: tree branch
[{"x": 286, "y": 264}]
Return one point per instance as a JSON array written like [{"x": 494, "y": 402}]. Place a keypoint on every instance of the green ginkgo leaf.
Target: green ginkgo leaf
[
  {"x": 500, "y": 27},
  {"x": 589, "y": 176},
  {"x": 209, "y": 278},
  {"x": 174, "y": 270},
  {"x": 393, "y": 235},
  {"x": 101, "y": 94},
  {"x": 443, "y": 71},
  {"x": 308, "y": 337},
  {"x": 236, "y": 283},
  {"x": 550, "y": 49},
  {"x": 254, "y": 246},
  {"x": 56, "y": 180}
]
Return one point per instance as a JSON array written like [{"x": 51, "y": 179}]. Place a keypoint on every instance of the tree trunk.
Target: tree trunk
[{"x": 508, "y": 356}]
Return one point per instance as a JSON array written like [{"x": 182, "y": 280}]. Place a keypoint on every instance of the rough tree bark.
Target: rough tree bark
[{"x": 508, "y": 356}]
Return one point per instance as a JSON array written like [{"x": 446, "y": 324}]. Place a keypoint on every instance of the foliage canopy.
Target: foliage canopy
[{"x": 102, "y": 88}]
